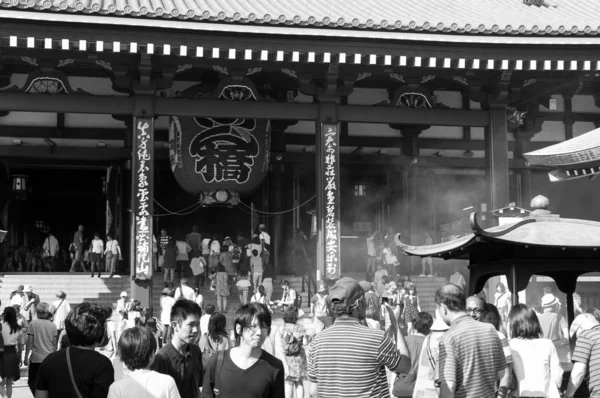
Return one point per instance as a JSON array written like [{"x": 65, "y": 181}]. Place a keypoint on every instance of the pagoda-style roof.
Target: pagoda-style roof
[
  {"x": 541, "y": 244},
  {"x": 540, "y": 230},
  {"x": 575, "y": 158},
  {"x": 582, "y": 149},
  {"x": 481, "y": 17}
]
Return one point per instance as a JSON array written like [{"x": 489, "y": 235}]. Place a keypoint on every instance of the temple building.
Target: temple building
[{"x": 337, "y": 118}]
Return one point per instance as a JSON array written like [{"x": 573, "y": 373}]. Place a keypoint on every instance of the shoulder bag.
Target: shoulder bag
[
  {"x": 57, "y": 307},
  {"x": 218, "y": 372},
  {"x": 71, "y": 374}
]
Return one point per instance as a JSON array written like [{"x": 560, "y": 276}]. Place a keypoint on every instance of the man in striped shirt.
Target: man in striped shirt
[
  {"x": 349, "y": 359},
  {"x": 471, "y": 359},
  {"x": 585, "y": 330}
]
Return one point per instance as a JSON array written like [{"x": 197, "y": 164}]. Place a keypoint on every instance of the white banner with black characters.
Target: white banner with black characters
[
  {"x": 143, "y": 195},
  {"x": 331, "y": 212}
]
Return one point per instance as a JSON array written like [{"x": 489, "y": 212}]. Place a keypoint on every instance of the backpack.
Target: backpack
[
  {"x": 291, "y": 345},
  {"x": 298, "y": 301},
  {"x": 373, "y": 304}
]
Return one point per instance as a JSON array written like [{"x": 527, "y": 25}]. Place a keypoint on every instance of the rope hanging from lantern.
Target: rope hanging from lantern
[
  {"x": 197, "y": 205},
  {"x": 182, "y": 212},
  {"x": 278, "y": 212}
]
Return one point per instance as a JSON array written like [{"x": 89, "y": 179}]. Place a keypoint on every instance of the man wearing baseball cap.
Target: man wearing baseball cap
[
  {"x": 585, "y": 330},
  {"x": 41, "y": 342},
  {"x": 348, "y": 357},
  {"x": 29, "y": 303}
]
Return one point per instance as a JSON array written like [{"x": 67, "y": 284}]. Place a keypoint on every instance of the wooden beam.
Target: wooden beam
[
  {"x": 394, "y": 142},
  {"x": 99, "y": 134},
  {"x": 116, "y": 105},
  {"x": 307, "y": 159}
]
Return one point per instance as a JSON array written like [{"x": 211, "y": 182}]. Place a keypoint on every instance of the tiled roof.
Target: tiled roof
[
  {"x": 582, "y": 149},
  {"x": 479, "y": 17}
]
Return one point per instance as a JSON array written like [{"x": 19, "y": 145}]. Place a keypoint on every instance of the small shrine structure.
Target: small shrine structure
[{"x": 541, "y": 244}]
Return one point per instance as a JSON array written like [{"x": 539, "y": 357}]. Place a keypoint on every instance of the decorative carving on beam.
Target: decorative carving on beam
[
  {"x": 221, "y": 69},
  {"x": 30, "y": 61},
  {"x": 362, "y": 76},
  {"x": 64, "y": 62},
  {"x": 104, "y": 64},
  {"x": 290, "y": 73},
  {"x": 515, "y": 116},
  {"x": 183, "y": 68},
  {"x": 461, "y": 80},
  {"x": 253, "y": 71},
  {"x": 46, "y": 79},
  {"x": 419, "y": 97},
  {"x": 397, "y": 77}
]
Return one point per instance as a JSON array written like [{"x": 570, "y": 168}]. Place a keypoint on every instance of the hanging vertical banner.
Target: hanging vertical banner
[
  {"x": 331, "y": 202},
  {"x": 143, "y": 195}
]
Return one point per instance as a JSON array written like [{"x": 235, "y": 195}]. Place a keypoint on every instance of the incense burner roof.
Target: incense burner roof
[
  {"x": 481, "y": 17},
  {"x": 541, "y": 229}
]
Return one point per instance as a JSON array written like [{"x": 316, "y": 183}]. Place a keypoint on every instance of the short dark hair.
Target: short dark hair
[
  {"x": 184, "y": 308},
  {"x": 85, "y": 325},
  {"x": 255, "y": 253},
  {"x": 452, "y": 297},
  {"x": 209, "y": 309},
  {"x": 285, "y": 282},
  {"x": 246, "y": 313},
  {"x": 216, "y": 326},
  {"x": 136, "y": 347},
  {"x": 524, "y": 323},
  {"x": 340, "y": 309},
  {"x": 290, "y": 315},
  {"x": 500, "y": 284},
  {"x": 108, "y": 310},
  {"x": 423, "y": 323}
]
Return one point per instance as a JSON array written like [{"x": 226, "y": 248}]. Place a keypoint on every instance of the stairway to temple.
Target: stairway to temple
[
  {"x": 79, "y": 287},
  {"x": 105, "y": 291}
]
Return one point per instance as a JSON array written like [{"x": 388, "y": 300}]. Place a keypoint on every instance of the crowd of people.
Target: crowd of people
[{"x": 363, "y": 344}]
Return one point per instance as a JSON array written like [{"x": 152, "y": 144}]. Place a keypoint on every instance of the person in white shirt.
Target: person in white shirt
[
  {"x": 112, "y": 254},
  {"x": 183, "y": 258},
  {"x": 137, "y": 348},
  {"x": 535, "y": 360},
  {"x": 205, "y": 318},
  {"x": 60, "y": 309},
  {"x": 166, "y": 303},
  {"x": 185, "y": 291},
  {"x": 122, "y": 307},
  {"x": 199, "y": 298},
  {"x": 371, "y": 251},
  {"x": 96, "y": 253},
  {"x": 50, "y": 251},
  {"x": 265, "y": 241}
]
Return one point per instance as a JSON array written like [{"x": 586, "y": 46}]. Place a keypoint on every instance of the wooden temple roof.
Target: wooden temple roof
[{"x": 481, "y": 17}]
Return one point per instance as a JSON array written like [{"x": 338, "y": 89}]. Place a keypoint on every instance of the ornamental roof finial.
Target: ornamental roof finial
[{"x": 540, "y": 202}]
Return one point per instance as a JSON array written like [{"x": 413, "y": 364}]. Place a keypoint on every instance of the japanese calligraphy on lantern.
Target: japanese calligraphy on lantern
[
  {"x": 143, "y": 187},
  {"x": 331, "y": 200}
]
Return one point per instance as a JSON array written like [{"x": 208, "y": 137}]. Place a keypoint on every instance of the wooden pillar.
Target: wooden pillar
[
  {"x": 328, "y": 192},
  {"x": 278, "y": 240},
  {"x": 142, "y": 200},
  {"x": 412, "y": 206},
  {"x": 496, "y": 142}
]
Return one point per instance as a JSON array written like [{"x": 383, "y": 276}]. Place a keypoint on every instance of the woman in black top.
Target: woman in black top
[{"x": 246, "y": 370}]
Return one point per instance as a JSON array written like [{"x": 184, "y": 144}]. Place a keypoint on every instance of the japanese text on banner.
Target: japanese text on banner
[{"x": 143, "y": 198}]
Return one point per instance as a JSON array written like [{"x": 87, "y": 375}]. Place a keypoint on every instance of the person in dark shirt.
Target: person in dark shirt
[
  {"x": 181, "y": 358},
  {"x": 92, "y": 372},
  {"x": 246, "y": 370}
]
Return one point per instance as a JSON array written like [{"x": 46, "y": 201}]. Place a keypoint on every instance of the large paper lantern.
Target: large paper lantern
[{"x": 220, "y": 159}]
